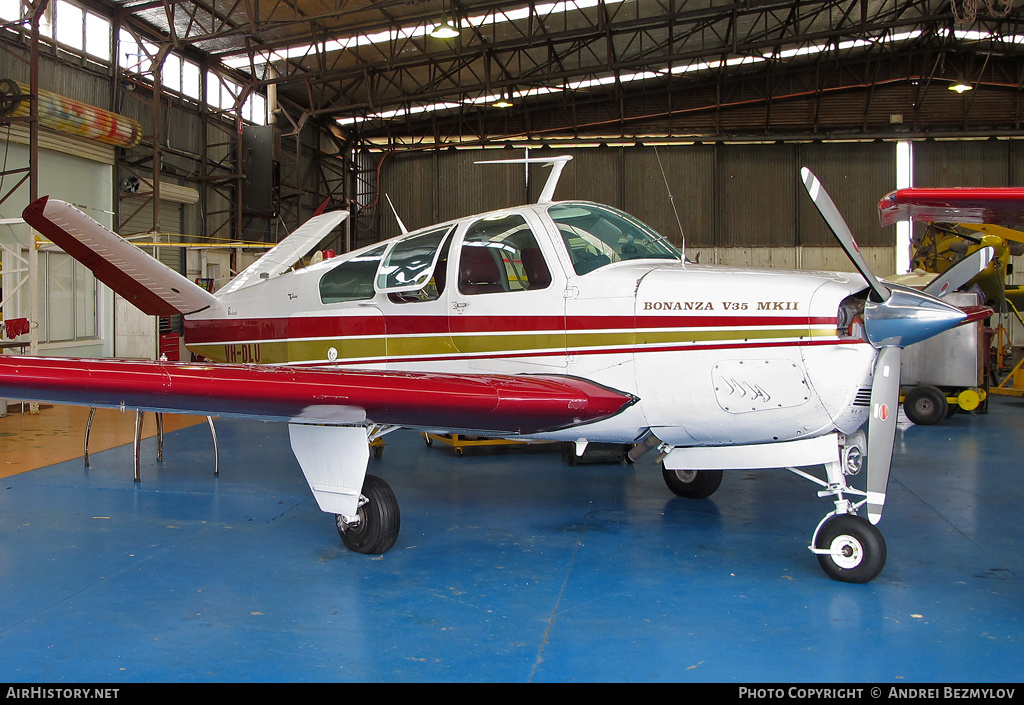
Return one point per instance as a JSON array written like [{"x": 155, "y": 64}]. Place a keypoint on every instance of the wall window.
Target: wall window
[
  {"x": 97, "y": 36},
  {"x": 171, "y": 74},
  {"x": 68, "y": 299},
  {"x": 79, "y": 29},
  {"x": 10, "y": 10},
  {"x": 133, "y": 55},
  {"x": 190, "y": 82}
]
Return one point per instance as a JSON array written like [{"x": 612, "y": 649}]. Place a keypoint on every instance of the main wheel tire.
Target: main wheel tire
[
  {"x": 925, "y": 405},
  {"x": 693, "y": 484},
  {"x": 857, "y": 549},
  {"x": 378, "y": 520}
]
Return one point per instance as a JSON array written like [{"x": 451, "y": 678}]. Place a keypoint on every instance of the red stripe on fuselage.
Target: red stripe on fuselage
[{"x": 228, "y": 330}]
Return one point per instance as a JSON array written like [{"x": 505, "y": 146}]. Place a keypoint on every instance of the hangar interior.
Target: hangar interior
[{"x": 207, "y": 132}]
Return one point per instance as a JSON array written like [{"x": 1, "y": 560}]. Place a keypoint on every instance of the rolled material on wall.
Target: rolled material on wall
[{"x": 74, "y": 117}]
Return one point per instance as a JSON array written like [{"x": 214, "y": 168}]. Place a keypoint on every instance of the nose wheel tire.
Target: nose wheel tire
[
  {"x": 694, "y": 484},
  {"x": 851, "y": 549},
  {"x": 378, "y": 520}
]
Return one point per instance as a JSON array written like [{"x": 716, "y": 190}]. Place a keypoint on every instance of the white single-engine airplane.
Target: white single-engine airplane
[{"x": 568, "y": 321}]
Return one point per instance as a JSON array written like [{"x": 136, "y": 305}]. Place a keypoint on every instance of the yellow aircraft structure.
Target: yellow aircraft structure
[
  {"x": 994, "y": 218},
  {"x": 943, "y": 245}
]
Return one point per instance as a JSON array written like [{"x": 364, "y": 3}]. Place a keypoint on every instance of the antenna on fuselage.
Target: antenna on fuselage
[
  {"x": 672, "y": 202},
  {"x": 556, "y": 163},
  {"x": 401, "y": 225}
]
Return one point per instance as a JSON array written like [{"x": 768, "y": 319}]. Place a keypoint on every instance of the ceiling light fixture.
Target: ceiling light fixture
[
  {"x": 444, "y": 31},
  {"x": 960, "y": 86},
  {"x": 447, "y": 29}
]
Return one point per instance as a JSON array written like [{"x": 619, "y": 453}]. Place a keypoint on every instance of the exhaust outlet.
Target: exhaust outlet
[{"x": 649, "y": 442}]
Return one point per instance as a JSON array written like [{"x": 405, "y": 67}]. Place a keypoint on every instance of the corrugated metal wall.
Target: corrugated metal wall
[{"x": 969, "y": 163}]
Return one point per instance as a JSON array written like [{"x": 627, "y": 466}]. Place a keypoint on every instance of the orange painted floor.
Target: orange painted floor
[{"x": 57, "y": 433}]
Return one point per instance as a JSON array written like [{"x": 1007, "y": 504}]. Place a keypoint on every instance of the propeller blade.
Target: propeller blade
[
  {"x": 960, "y": 273},
  {"x": 842, "y": 232},
  {"x": 885, "y": 399}
]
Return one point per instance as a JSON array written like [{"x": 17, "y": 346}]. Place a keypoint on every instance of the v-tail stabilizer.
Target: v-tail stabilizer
[{"x": 149, "y": 284}]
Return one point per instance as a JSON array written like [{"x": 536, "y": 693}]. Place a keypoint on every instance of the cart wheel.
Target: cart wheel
[
  {"x": 569, "y": 453},
  {"x": 925, "y": 405}
]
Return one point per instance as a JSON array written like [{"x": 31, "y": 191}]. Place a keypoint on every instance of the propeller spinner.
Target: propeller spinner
[{"x": 894, "y": 317}]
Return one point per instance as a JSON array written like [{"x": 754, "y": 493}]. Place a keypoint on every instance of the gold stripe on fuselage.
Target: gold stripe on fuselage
[{"x": 270, "y": 352}]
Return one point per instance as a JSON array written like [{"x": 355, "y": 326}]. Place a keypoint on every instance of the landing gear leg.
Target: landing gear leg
[
  {"x": 849, "y": 548},
  {"x": 365, "y": 509}
]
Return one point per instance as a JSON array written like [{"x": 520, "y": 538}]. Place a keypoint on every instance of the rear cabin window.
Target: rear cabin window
[
  {"x": 351, "y": 280},
  {"x": 501, "y": 254}
]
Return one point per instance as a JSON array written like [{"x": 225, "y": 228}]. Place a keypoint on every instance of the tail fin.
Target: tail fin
[
  {"x": 149, "y": 284},
  {"x": 287, "y": 252}
]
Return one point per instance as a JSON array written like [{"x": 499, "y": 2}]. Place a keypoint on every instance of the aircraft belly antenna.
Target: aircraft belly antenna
[{"x": 556, "y": 163}]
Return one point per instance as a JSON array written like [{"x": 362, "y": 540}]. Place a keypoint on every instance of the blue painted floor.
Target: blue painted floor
[{"x": 512, "y": 566}]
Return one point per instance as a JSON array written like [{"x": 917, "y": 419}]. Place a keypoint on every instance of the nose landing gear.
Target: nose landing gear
[{"x": 849, "y": 548}]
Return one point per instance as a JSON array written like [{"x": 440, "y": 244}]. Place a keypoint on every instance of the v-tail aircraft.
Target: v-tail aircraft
[{"x": 563, "y": 320}]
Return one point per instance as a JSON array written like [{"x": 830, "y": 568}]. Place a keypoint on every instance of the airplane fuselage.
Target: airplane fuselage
[
  {"x": 569, "y": 321},
  {"x": 716, "y": 356}
]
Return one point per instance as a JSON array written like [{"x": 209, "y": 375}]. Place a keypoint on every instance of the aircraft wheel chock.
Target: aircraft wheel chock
[
  {"x": 925, "y": 405},
  {"x": 856, "y": 549},
  {"x": 378, "y": 520},
  {"x": 693, "y": 484}
]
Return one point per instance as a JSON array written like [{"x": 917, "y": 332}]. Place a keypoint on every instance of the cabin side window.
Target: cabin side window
[
  {"x": 351, "y": 280},
  {"x": 501, "y": 254}
]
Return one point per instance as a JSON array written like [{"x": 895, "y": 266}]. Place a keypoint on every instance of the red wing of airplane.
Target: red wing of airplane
[
  {"x": 518, "y": 404},
  {"x": 998, "y": 206}
]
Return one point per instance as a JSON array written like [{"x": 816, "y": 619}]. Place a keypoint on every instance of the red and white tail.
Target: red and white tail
[{"x": 149, "y": 284}]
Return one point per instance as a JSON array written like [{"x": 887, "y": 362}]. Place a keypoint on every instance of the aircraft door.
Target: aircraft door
[
  {"x": 506, "y": 311},
  {"x": 413, "y": 279}
]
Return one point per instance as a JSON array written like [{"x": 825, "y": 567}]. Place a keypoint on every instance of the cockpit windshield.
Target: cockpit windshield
[{"x": 598, "y": 235}]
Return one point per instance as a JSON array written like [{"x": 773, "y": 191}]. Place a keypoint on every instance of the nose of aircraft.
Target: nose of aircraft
[
  {"x": 894, "y": 317},
  {"x": 908, "y": 317}
]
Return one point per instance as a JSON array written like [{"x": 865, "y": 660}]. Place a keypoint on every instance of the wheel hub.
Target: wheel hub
[
  {"x": 846, "y": 551},
  {"x": 352, "y": 524}
]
